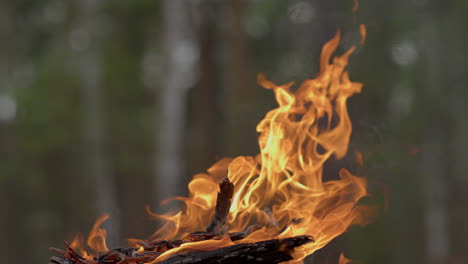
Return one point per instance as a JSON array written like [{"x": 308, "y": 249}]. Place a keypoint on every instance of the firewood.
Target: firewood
[
  {"x": 223, "y": 204},
  {"x": 114, "y": 256},
  {"x": 127, "y": 256},
  {"x": 264, "y": 252},
  {"x": 164, "y": 245}
]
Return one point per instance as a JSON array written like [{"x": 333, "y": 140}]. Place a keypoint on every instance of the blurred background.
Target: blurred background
[{"x": 108, "y": 106}]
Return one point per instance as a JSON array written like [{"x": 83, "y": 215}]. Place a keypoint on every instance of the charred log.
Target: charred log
[
  {"x": 266, "y": 252},
  {"x": 223, "y": 204},
  {"x": 114, "y": 256},
  {"x": 164, "y": 245}
]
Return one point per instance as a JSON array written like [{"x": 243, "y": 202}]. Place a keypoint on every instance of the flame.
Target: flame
[
  {"x": 343, "y": 259},
  {"x": 97, "y": 236},
  {"x": 141, "y": 249},
  {"x": 281, "y": 189},
  {"x": 355, "y": 6},
  {"x": 205, "y": 245},
  {"x": 359, "y": 158},
  {"x": 284, "y": 181},
  {"x": 96, "y": 240},
  {"x": 78, "y": 245},
  {"x": 363, "y": 32}
]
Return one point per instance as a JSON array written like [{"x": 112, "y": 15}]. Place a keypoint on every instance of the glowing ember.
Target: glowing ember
[{"x": 281, "y": 191}]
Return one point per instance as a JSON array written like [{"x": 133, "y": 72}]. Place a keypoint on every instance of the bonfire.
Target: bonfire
[{"x": 271, "y": 208}]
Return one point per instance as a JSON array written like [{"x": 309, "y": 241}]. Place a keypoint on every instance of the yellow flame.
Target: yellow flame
[
  {"x": 141, "y": 250},
  {"x": 309, "y": 126},
  {"x": 205, "y": 245}
]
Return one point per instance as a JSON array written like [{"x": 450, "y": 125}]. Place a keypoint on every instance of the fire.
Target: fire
[
  {"x": 363, "y": 32},
  {"x": 284, "y": 182},
  {"x": 96, "y": 239},
  {"x": 282, "y": 189},
  {"x": 343, "y": 259}
]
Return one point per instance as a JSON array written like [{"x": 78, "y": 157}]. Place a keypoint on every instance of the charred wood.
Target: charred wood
[
  {"x": 266, "y": 252},
  {"x": 223, "y": 204}
]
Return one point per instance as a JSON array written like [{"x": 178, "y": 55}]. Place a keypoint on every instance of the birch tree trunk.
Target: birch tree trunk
[
  {"x": 181, "y": 56},
  {"x": 434, "y": 176},
  {"x": 96, "y": 156},
  {"x": 9, "y": 217},
  {"x": 458, "y": 193},
  {"x": 459, "y": 145}
]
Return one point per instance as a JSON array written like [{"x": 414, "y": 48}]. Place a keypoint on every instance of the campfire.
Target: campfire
[{"x": 271, "y": 208}]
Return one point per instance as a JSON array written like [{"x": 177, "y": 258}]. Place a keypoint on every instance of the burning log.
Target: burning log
[
  {"x": 223, "y": 204},
  {"x": 114, "y": 256},
  {"x": 269, "y": 251},
  {"x": 266, "y": 252}
]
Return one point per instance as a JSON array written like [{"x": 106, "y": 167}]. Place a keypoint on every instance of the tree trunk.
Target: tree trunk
[
  {"x": 434, "y": 176},
  {"x": 239, "y": 83},
  {"x": 11, "y": 188},
  {"x": 458, "y": 196},
  {"x": 182, "y": 53},
  {"x": 204, "y": 116},
  {"x": 96, "y": 156}
]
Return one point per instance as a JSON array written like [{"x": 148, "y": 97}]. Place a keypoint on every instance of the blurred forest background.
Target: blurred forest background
[{"x": 108, "y": 106}]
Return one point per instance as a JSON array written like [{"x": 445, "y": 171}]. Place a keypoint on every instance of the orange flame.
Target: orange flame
[
  {"x": 343, "y": 259},
  {"x": 359, "y": 158},
  {"x": 355, "y": 6},
  {"x": 96, "y": 239},
  {"x": 285, "y": 182},
  {"x": 363, "y": 32},
  {"x": 97, "y": 236},
  {"x": 78, "y": 245},
  {"x": 205, "y": 245}
]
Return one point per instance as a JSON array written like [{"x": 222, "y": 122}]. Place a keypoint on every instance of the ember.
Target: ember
[{"x": 271, "y": 208}]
